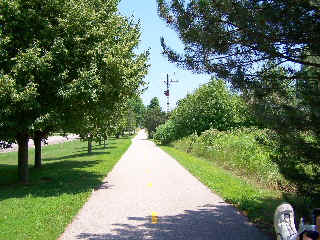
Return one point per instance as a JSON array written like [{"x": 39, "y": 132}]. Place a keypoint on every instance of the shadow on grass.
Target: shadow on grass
[
  {"x": 53, "y": 179},
  {"x": 74, "y": 156},
  {"x": 207, "y": 222},
  {"x": 8, "y": 175},
  {"x": 96, "y": 147}
]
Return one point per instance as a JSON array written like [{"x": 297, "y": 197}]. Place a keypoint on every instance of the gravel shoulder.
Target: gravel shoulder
[
  {"x": 51, "y": 140},
  {"x": 149, "y": 195}
]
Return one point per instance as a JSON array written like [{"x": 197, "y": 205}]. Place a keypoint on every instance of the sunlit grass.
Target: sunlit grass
[
  {"x": 238, "y": 151},
  {"x": 42, "y": 209}
]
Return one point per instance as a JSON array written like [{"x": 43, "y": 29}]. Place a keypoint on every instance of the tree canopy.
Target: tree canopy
[
  {"x": 212, "y": 105},
  {"x": 154, "y": 116},
  {"x": 62, "y": 62},
  {"x": 137, "y": 107},
  {"x": 234, "y": 39},
  {"x": 269, "y": 51}
]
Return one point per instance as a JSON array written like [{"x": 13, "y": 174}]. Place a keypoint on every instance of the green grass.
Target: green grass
[
  {"x": 42, "y": 209},
  {"x": 239, "y": 151},
  {"x": 256, "y": 203}
]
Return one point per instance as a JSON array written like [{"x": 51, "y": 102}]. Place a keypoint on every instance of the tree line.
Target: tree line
[
  {"x": 268, "y": 52},
  {"x": 67, "y": 66}
]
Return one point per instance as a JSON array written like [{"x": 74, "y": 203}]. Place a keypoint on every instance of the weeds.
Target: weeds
[{"x": 238, "y": 150}]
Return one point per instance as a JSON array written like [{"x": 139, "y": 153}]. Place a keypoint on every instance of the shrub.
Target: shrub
[
  {"x": 165, "y": 133},
  {"x": 240, "y": 151},
  {"x": 210, "y": 106}
]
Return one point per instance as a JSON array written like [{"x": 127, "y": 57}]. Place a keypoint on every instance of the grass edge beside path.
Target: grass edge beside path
[
  {"x": 255, "y": 203},
  {"x": 56, "y": 193}
]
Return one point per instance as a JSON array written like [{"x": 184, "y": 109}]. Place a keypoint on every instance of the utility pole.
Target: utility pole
[{"x": 167, "y": 92}]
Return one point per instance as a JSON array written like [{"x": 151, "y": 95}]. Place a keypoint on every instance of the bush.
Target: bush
[
  {"x": 211, "y": 106},
  {"x": 239, "y": 150},
  {"x": 165, "y": 133}
]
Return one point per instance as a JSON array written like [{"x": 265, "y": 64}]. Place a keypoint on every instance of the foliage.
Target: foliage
[
  {"x": 294, "y": 154},
  {"x": 292, "y": 110},
  {"x": 154, "y": 103},
  {"x": 62, "y": 62},
  {"x": 233, "y": 38},
  {"x": 137, "y": 107},
  {"x": 165, "y": 133},
  {"x": 57, "y": 192},
  {"x": 153, "y": 116},
  {"x": 210, "y": 106},
  {"x": 268, "y": 50},
  {"x": 130, "y": 116},
  {"x": 241, "y": 151}
]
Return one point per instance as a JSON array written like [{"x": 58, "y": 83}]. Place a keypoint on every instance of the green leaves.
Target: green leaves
[
  {"x": 165, "y": 133},
  {"x": 70, "y": 57},
  {"x": 211, "y": 105},
  {"x": 153, "y": 116},
  {"x": 222, "y": 36},
  {"x": 66, "y": 66},
  {"x": 269, "y": 52}
]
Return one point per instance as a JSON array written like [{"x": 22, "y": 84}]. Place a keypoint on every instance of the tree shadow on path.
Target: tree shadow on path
[{"x": 208, "y": 222}]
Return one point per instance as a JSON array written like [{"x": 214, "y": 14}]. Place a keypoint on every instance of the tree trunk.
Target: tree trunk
[
  {"x": 37, "y": 153},
  {"x": 23, "y": 170},
  {"x": 89, "y": 145}
]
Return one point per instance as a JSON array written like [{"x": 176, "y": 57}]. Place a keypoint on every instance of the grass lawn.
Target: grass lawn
[
  {"x": 256, "y": 203},
  {"x": 42, "y": 209}
]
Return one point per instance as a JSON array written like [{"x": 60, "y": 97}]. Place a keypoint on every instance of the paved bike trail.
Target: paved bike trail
[{"x": 148, "y": 195}]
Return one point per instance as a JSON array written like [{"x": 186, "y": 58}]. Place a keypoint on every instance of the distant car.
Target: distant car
[{"x": 4, "y": 145}]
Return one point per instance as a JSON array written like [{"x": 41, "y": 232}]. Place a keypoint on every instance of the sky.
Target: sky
[{"x": 152, "y": 28}]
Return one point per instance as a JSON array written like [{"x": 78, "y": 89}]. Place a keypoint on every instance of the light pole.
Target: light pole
[{"x": 167, "y": 92}]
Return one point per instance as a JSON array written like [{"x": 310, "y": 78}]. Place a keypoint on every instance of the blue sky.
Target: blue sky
[{"x": 152, "y": 28}]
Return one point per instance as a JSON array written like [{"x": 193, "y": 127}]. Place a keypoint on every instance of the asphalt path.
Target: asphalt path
[{"x": 148, "y": 195}]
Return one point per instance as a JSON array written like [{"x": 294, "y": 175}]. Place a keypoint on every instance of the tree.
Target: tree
[
  {"x": 63, "y": 60},
  {"x": 292, "y": 110},
  {"x": 233, "y": 38},
  {"x": 154, "y": 103},
  {"x": 154, "y": 116},
  {"x": 210, "y": 106},
  {"x": 268, "y": 51},
  {"x": 137, "y": 107},
  {"x": 40, "y": 131}
]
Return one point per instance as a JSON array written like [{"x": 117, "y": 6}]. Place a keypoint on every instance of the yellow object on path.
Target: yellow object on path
[{"x": 154, "y": 218}]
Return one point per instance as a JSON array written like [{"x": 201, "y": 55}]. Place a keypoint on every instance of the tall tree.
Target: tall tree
[
  {"x": 65, "y": 60},
  {"x": 154, "y": 116},
  {"x": 154, "y": 103},
  {"x": 293, "y": 111},
  {"x": 211, "y": 106},
  {"x": 269, "y": 51},
  {"x": 233, "y": 38},
  {"x": 137, "y": 107}
]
